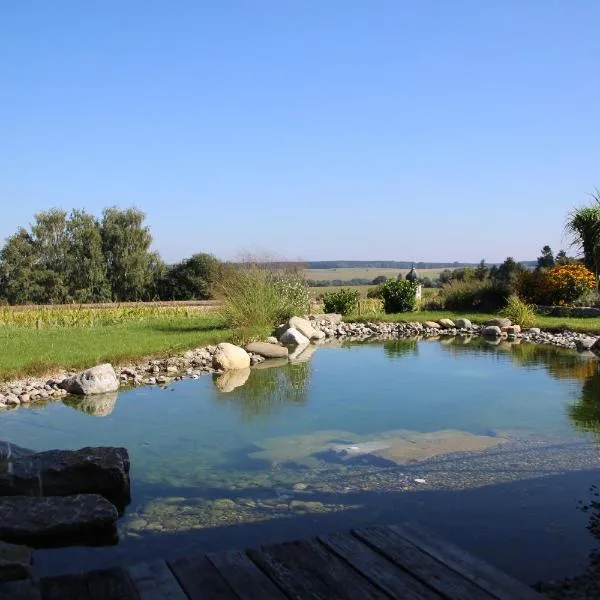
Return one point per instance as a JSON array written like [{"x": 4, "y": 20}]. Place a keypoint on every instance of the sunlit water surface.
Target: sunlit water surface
[{"x": 491, "y": 446}]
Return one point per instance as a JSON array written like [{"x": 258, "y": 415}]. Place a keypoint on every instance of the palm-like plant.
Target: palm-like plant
[{"x": 584, "y": 225}]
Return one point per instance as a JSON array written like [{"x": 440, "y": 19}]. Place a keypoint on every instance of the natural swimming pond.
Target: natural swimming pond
[{"x": 491, "y": 446}]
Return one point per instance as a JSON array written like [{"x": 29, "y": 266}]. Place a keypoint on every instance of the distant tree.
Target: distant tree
[
  {"x": 192, "y": 278},
  {"x": 546, "y": 260},
  {"x": 508, "y": 272},
  {"x": 379, "y": 279},
  {"x": 85, "y": 262},
  {"x": 445, "y": 276},
  {"x": 426, "y": 282},
  {"x": 19, "y": 283},
  {"x": 481, "y": 272},
  {"x": 126, "y": 247}
]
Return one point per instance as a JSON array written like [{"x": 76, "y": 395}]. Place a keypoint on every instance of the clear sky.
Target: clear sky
[{"x": 312, "y": 129}]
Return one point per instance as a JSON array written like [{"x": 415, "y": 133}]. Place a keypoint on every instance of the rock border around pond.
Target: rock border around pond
[{"x": 289, "y": 343}]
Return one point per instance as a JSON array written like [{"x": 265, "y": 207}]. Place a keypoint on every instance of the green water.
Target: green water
[{"x": 491, "y": 446}]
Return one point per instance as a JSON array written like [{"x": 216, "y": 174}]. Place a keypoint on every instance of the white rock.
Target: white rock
[
  {"x": 294, "y": 337},
  {"x": 228, "y": 356},
  {"x": 305, "y": 327},
  {"x": 101, "y": 379}
]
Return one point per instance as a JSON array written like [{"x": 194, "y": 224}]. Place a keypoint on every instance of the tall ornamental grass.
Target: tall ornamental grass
[
  {"x": 519, "y": 312},
  {"x": 258, "y": 296}
]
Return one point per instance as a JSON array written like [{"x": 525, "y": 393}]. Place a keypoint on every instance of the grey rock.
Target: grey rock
[
  {"x": 101, "y": 470},
  {"x": 57, "y": 520},
  {"x": 463, "y": 323},
  {"x": 15, "y": 561},
  {"x": 24, "y": 589},
  {"x": 534, "y": 330},
  {"x": 228, "y": 356},
  {"x": 491, "y": 331},
  {"x": 499, "y": 322},
  {"x": 10, "y": 451},
  {"x": 293, "y": 337},
  {"x": 267, "y": 350},
  {"x": 98, "y": 405},
  {"x": 446, "y": 323},
  {"x": 585, "y": 344},
  {"x": 101, "y": 379},
  {"x": 304, "y": 326},
  {"x": 272, "y": 340}
]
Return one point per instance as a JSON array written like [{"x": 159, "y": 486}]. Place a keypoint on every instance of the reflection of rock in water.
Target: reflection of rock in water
[
  {"x": 398, "y": 446},
  {"x": 302, "y": 353},
  {"x": 234, "y": 378},
  {"x": 99, "y": 405}
]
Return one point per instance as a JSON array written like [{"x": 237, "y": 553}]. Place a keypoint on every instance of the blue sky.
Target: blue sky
[{"x": 313, "y": 129}]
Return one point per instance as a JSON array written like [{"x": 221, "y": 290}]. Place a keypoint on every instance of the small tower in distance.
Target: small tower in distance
[{"x": 412, "y": 275}]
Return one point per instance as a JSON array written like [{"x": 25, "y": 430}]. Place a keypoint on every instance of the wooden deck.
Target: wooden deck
[{"x": 408, "y": 563}]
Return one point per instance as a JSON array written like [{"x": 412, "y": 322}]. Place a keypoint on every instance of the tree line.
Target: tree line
[{"x": 76, "y": 257}]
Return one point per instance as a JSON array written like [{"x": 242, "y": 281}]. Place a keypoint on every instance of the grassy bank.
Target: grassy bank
[
  {"x": 30, "y": 351},
  {"x": 584, "y": 325}
]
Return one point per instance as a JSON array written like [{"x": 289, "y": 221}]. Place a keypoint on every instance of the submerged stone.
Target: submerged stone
[{"x": 57, "y": 521}]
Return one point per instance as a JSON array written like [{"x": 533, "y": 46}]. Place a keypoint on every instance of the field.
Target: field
[{"x": 364, "y": 273}]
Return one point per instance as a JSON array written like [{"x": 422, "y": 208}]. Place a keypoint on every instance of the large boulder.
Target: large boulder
[
  {"x": 229, "y": 356},
  {"x": 101, "y": 379},
  {"x": 304, "y": 326},
  {"x": 10, "y": 451},
  {"x": 57, "y": 520},
  {"x": 491, "y": 331},
  {"x": 432, "y": 325},
  {"x": 463, "y": 323},
  {"x": 293, "y": 337},
  {"x": 499, "y": 322},
  {"x": 229, "y": 380},
  {"x": 267, "y": 350},
  {"x": 103, "y": 470},
  {"x": 15, "y": 562},
  {"x": 511, "y": 329},
  {"x": 446, "y": 323}
]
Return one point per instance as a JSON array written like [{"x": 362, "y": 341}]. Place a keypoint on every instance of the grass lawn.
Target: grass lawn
[
  {"x": 29, "y": 351},
  {"x": 585, "y": 325}
]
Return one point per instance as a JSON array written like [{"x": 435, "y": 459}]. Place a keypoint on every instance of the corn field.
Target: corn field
[{"x": 84, "y": 316}]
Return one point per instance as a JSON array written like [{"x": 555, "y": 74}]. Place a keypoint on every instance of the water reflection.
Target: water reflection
[
  {"x": 267, "y": 390},
  {"x": 401, "y": 348},
  {"x": 98, "y": 405}
]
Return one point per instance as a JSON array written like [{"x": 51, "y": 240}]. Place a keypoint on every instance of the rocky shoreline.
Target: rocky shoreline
[{"x": 289, "y": 343}]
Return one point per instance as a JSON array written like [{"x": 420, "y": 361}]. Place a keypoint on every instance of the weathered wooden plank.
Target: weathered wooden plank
[
  {"x": 244, "y": 577},
  {"x": 64, "y": 587},
  {"x": 111, "y": 584},
  {"x": 154, "y": 581},
  {"x": 427, "y": 569},
  {"x": 200, "y": 580},
  {"x": 308, "y": 570},
  {"x": 501, "y": 585},
  {"x": 378, "y": 569}
]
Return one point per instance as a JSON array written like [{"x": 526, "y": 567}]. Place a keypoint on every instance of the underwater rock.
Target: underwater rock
[
  {"x": 102, "y": 470},
  {"x": 57, "y": 521}
]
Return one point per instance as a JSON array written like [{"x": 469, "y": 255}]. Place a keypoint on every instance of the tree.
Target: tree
[
  {"x": 508, "y": 272},
  {"x": 85, "y": 264},
  {"x": 18, "y": 281},
  {"x": 126, "y": 247},
  {"x": 192, "y": 278},
  {"x": 546, "y": 260},
  {"x": 481, "y": 272},
  {"x": 379, "y": 280},
  {"x": 584, "y": 225}
]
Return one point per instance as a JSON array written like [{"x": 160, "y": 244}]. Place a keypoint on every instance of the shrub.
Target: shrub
[
  {"x": 258, "y": 296},
  {"x": 484, "y": 296},
  {"x": 375, "y": 292},
  {"x": 567, "y": 283},
  {"x": 519, "y": 312},
  {"x": 399, "y": 295},
  {"x": 342, "y": 301}
]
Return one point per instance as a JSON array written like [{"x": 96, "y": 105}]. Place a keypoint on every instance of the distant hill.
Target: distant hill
[{"x": 395, "y": 264}]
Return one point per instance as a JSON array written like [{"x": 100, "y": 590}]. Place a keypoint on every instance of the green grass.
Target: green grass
[
  {"x": 584, "y": 325},
  {"x": 28, "y": 351}
]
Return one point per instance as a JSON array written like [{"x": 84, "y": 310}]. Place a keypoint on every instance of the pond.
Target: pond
[{"x": 492, "y": 446}]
